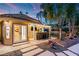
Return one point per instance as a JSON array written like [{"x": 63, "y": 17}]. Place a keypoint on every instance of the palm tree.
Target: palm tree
[
  {"x": 77, "y": 23},
  {"x": 70, "y": 10},
  {"x": 50, "y": 14},
  {"x": 39, "y": 16},
  {"x": 60, "y": 15},
  {"x": 48, "y": 10}
]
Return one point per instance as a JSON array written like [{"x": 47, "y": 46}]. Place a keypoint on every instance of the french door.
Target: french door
[
  {"x": 23, "y": 33},
  {"x": 20, "y": 33}
]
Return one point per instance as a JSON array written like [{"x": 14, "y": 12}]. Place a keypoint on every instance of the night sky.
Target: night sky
[{"x": 31, "y": 8}]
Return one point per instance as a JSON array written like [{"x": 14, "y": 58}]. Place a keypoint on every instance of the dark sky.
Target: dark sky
[{"x": 31, "y": 8}]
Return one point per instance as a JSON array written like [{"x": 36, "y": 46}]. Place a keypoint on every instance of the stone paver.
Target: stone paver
[
  {"x": 60, "y": 54},
  {"x": 28, "y": 48},
  {"x": 20, "y": 43},
  {"x": 46, "y": 53},
  {"x": 31, "y": 43},
  {"x": 74, "y": 48},
  {"x": 6, "y": 49},
  {"x": 22, "y": 46},
  {"x": 31, "y": 49},
  {"x": 69, "y": 53},
  {"x": 38, "y": 42},
  {"x": 33, "y": 52}
]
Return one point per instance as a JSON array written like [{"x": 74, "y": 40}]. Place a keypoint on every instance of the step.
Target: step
[
  {"x": 28, "y": 48},
  {"x": 60, "y": 54},
  {"x": 33, "y": 52},
  {"x": 23, "y": 46},
  {"x": 69, "y": 53},
  {"x": 46, "y": 53},
  {"x": 38, "y": 41},
  {"x": 18, "y": 44}
]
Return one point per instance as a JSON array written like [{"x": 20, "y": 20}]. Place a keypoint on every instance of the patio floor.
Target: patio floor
[{"x": 37, "y": 48}]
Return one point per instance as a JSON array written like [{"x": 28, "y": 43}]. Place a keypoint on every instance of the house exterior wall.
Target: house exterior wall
[
  {"x": 31, "y": 35},
  {"x": 11, "y": 22},
  {"x": 30, "y": 32},
  {"x": 7, "y": 41}
]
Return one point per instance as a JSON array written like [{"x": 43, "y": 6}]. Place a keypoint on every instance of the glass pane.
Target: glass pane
[{"x": 24, "y": 33}]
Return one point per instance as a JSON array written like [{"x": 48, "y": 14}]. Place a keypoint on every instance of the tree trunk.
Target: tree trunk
[
  {"x": 70, "y": 33},
  {"x": 60, "y": 30},
  {"x": 60, "y": 34},
  {"x": 73, "y": 27}
]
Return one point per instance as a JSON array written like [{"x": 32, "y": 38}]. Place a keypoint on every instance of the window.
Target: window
[
  {"x": 46, "y": 30},
  {"x": 35, "y": 28},
  {"x": 31, "y": 28}
]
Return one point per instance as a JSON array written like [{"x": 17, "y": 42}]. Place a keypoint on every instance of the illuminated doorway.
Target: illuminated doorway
[{"x": 19, "y": 33}]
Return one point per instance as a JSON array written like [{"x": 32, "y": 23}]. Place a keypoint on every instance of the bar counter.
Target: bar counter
[{"x": 42, "y": 35}]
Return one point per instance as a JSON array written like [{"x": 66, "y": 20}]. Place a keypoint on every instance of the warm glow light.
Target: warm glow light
[{"x": 7, "y": 22}]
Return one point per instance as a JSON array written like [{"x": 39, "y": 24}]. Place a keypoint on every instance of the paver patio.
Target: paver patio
[
  {"x": 46, "y": 53},
  {"x": 29, "y": 48},
  {"x": 33, "y": 49},
  {"x": 75, "y": 48},
  {"x": 31, "y": 53},
  {"x": 7, "y": 49},
  {"x": 69, "y": 53},
  {"x": 60, "y": 54}
]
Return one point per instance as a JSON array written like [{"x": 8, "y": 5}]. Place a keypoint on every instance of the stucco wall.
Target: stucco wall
[
  {"x": 31, "y": 35},
  {"x": 11, "y": 21},
  {"x": 14, "y": 21}
]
